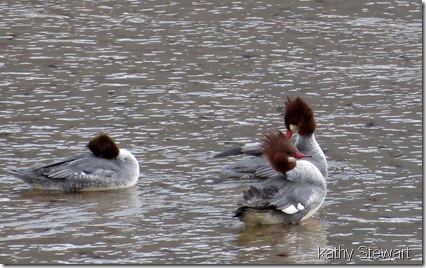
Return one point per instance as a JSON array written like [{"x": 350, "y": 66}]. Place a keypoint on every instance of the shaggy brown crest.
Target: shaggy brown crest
[
  {"x": 277, "y": 148},
  {"x": 104, "y": 147},
  {"x": 299, "y": 113}
]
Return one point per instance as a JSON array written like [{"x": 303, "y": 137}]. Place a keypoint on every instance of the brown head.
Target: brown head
[
  {"x": 104, "y": 147},
  {"x": 280, "y": 152},
  {"x": 299, "y": 117}
]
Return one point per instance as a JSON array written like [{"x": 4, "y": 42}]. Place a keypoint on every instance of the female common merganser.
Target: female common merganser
[
  {"x": 257, "y": 166},
  {"x": 298, "y": 118},
  {"x": 106, "y": 167},
  {"x": 293, "y": 195}
]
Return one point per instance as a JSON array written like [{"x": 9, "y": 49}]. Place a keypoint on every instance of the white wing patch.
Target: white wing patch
[{"x": 293, "y": 209}]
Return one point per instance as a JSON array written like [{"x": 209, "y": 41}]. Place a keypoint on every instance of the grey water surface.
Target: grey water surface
[{"x": 176, "y": 82}]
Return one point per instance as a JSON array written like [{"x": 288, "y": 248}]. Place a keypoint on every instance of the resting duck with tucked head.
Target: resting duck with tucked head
[
  {"x": 106, "y": 167},
  {"x": 293, "y": 195},
  {"x": 299, "y": 119}
]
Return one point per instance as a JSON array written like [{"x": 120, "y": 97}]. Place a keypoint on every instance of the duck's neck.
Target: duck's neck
[
  {"x": 305, "y": 171},
  {"x": 307, "y": 144}
]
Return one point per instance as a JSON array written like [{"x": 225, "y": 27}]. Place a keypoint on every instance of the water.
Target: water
[{"x": 174, "y": 82}]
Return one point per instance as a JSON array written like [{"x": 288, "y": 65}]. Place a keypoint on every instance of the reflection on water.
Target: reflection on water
[
  {"x": 283, "y": 244},
  {"x": 175, "y": 82}
]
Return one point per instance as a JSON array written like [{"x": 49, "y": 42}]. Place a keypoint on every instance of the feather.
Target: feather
[
  {"x": 277, "y": 149},
  {"x": 299, "y": 113}
]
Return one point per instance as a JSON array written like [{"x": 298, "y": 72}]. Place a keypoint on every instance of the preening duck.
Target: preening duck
[
  {"x": 299, "y": 119},
  {"x": 293, "y": 195}
]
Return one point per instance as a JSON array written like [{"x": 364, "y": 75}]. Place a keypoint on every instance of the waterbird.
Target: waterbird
[
  {"x": 298, "y": 119},
  {"x": 105, "y": 167},
  {"x": 293, "y": 195}
]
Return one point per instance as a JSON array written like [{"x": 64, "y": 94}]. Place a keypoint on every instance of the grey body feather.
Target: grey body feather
[
  {"x": 82, "y": 172},
  {"x": 259, "y": 167},
  {"x": 264, "y": 203}
]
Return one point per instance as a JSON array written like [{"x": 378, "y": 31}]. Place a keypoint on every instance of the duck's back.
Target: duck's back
[
  {"x": 76, "y": 172},
  {"x": 284, "y": 198}
]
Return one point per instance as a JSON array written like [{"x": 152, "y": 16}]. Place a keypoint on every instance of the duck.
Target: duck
[
  {"x": 291, "y": 196},
  {"x": 257, "y": 166},
  {"x": 105, "y": 167},
  {"x": 299, "y": 120}
]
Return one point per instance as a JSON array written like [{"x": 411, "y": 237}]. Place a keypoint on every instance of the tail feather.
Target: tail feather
[
  {"x": 12, "y": 171},
  {"x": 23, "y": 174},
  {"x": 254, "y": 208},
  {"x": 229, "y": 152},
  {"x": 253, "y": 197},
  {"x": 248, "y": 149}
]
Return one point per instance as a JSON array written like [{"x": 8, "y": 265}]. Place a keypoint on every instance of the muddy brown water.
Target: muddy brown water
[{"x": 175, "y": 82}]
